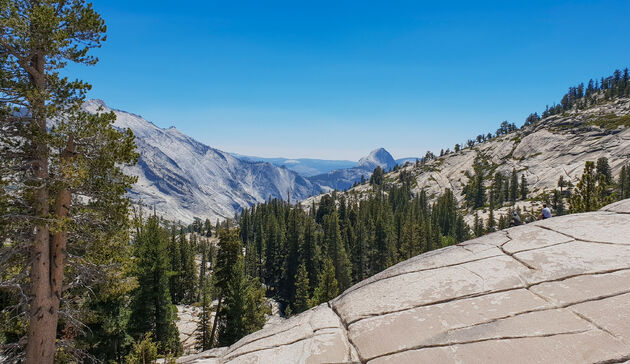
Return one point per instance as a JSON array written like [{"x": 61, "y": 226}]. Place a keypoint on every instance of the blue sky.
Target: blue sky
[{"x": 335, "y": 79}]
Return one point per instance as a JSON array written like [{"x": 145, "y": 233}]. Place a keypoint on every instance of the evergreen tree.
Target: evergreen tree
[
  {"x": 496, "y": 190},
  {"x": 188, "y": 272},
  {"x": 478, "y": 226},
  {"x": 624, "y": 183},
  {"x": 492, "y": 223},
  {"x": 47, "y": 164},
  {"x": 144, "y": 351},
  {"x": 203, "y": 252},
  {"x": 152, "y": 310},
  {"x": 410, "y": 245},
  {"x": 506, "y": 189},
  {"x": 231, "y": 325},
  {"x": 558, "y": 203},
  {"x": 514, "y": 187},
  {"x": 230, "y": 249},
  {"x": 336, "y": 249},
  {"x": 603, "y": 170},
  {"x": 480, "y": 191},
  {"x": 328, "y": 287},
  {"x": 174, "y": 253},
  {"x": 586, "y": 197},
  {"x": 302, "y": 290},
  {"x": 309, "y": 252},
  {"x": 504, "y": 222},
  {"x": 207, "y": 228},
  {"x": 255, "y": 306},
  {"x": 203, "y": 332},
  {"x": 377, "y": 177},
  {"x": 242, "y": 307},
  {"x": 523, "y": 187}
]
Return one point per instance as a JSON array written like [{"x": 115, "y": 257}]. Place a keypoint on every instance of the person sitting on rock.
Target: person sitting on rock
[
  {"x": 545, "y": 214},
  {"x": 516, "y": 220}
]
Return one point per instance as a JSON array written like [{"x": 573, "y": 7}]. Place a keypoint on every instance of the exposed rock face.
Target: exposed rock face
[
  {"x": 554, "y": 291},
  {"x": 183, "y": 178},
  {"x": 556, "y": 146}
]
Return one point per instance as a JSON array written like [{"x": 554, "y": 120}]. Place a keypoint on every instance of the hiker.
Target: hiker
[
  {"x": 545, "y": 214},
  {"x": 516, "y": 220}
]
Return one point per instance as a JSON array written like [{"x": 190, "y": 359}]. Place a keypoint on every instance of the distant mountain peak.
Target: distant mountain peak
[
  {"x": 95, "y": 103},
  {"x": 378, "y": 157}
]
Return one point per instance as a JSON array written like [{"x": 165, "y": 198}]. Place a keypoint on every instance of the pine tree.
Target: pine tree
[
  {"x": 144, "y": 351},
  {"x": 558, "y": 203},
  {"x": 504, "y": 222},
  {"x": 174, "y": 254},
  {"x": 46, "y": 164},
  {"x": 603, "y": 170},
  {"x": 410, "y": 246},
  {"x": 203, "y": 332},
  {"x": 152, "y": 310},
  {"x": 336, "y": 249},
  {"x": 244, "y": 309},
  {"x": 309, "y": 252},
  {"x": 586, "y": 197},
  {"x": 480, "y": 192},
  {"x": 328, "y": 287},
  {"x": 255, "y": 306},
  {"x": 492, "y": 223},
  {"x": 230, "y": 249},
  {"x": 514, "y": 187},
  {"x": 207, "y": 228},
  {"x": 203, "y": 251},
  {"x": 231, "y": 324},
  {"x": 523, "y": 187},
  {"x": 624, "y": 183},
  {"x": 188, "y": 272},
  {"x": 302, "y": 290},
  {"x": 478, "y": 226}
]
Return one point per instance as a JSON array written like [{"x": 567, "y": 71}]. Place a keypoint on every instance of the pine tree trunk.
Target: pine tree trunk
[
  {"x": 48, "y": 259},
  {"x": 43, "y": 321}
]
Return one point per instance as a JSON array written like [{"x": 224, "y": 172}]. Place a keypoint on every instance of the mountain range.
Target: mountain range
[
  {"x": 308, "y": 167},
  {"x": 183, "y": 178}
]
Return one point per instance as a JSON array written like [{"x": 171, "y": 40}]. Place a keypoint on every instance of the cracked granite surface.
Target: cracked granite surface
[{"x": 554, "y": 291}]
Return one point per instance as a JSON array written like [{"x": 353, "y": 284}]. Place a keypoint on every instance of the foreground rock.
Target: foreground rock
[{"x": 555, "y": 291}]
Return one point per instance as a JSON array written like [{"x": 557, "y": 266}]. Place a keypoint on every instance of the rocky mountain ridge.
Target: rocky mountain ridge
[
  {"x": 555, "y": 146},
  {"x": 184, "y": 179}
]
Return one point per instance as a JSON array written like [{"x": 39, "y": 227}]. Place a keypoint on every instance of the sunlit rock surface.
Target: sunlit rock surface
[{"x": 554, "y": 291}]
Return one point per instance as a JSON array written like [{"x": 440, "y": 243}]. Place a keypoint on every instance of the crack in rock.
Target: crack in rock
[
  {"x": 312, "y": 335},
  {"x": 344, "y": 327},
  {"x": 480, "y": 294},
  {"x": 483, "y": 280},
  {"x": 262, "y": 338},
  {"x": 449, "y": 344},
  {"x": 507, "y": 234},
  {"x": 579, "y": 239},
  {"x": 601, "y": 328}
]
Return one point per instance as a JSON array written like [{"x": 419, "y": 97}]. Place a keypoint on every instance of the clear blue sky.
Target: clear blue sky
[{"x": 335, "y": 79}]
